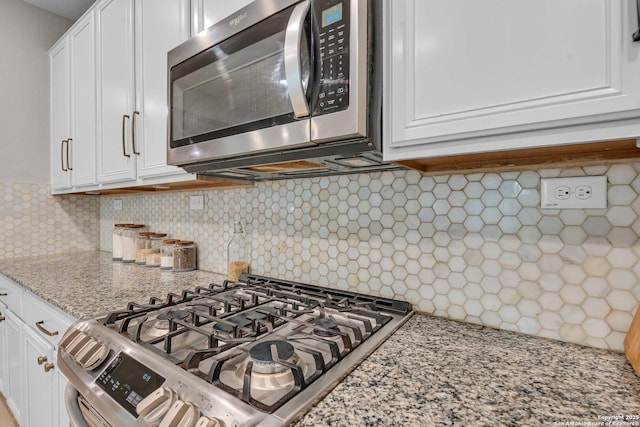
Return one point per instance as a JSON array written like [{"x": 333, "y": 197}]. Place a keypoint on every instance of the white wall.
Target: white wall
[{"x": 26, "y": 34}]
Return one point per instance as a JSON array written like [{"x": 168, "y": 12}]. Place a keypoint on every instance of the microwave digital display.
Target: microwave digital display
[{"x": 332, "y": 15}]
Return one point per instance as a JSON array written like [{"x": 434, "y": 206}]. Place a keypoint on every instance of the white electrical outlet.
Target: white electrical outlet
[
  {"x": 196, "y": 203},
  {"x": 584, "y": 192},
  {"x": 117, "y": 204}
]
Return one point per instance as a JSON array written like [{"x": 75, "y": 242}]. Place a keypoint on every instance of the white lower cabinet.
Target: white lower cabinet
[
  {"x": 29, "y": 377},
  {"x": 15, "y": 389},
  {"x": 41, "y": 394},
  {"x": 4, "y": 355}
]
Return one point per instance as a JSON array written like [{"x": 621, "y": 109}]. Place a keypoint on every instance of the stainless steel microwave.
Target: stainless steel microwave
[{"x": 281, "y": 88}]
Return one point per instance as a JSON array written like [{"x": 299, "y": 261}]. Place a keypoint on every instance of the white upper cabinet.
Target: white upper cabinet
[
  {"x": 115, "y": 63},
  {"x": 160, "y": 26},
  {"x": 59, "y": 105},
  {"x": 205, "y": 13},
  {"x": 82, "y": 141},
  {"x": 465, "y": 76},
  {"x": 73, "y": 119},
  {"x": 131, "y": 44}
]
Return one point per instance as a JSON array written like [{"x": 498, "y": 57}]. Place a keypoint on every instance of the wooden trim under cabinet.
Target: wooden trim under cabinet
[
  {"x": 535, "y": 158},
  {"x": 199, "y": 184}
]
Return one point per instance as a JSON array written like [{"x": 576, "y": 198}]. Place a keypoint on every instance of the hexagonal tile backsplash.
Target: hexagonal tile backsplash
[
  {"x": 34, "y": 223},
  {"x": 474, "y": 247}
]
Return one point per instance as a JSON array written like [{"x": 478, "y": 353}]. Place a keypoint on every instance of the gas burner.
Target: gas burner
[
  {"x": 250, "y": 346},
  {"x": 328, "y": 325},
  {"x": 262, "y": 357},
  {"x": 162, "y": 319}
]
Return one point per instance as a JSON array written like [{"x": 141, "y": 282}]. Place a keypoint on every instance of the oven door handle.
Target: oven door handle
[
  {"x": 76, "y": 419},
  {"x": 292, "y": 59}
]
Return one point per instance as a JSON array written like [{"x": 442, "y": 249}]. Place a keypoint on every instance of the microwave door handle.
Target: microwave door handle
[{"x": 292, "y": 67}]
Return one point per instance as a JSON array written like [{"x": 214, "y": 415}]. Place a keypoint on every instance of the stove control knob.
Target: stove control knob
[
  {"x": 74, "y": 345},
  {"x": 153, "y": 407},
  {"x": 93, "y": 356},
  {"x": 181, "y": 414},
  {"x": 68, "y": 338},
  {"x": 209, "y": 422}
]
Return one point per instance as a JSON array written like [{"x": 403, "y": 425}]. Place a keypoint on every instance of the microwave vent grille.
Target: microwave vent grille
[{"x": 300, "y": 165}]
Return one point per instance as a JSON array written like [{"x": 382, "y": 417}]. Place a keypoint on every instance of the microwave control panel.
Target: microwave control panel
[{"x": 332, "y": 17}]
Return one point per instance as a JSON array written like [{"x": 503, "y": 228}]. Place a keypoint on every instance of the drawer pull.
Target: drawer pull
[
  {"x": 3, "y": 294},
  {"x": 48, "y": 367},
  {"x": 2, "y": 318},
  {"x": 44, "y": 331},
  {"x": 42, "y": 359}
]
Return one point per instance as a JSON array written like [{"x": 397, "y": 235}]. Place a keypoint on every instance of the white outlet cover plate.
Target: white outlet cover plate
[
  {"x": 117, "y": 204},
  {"x": 584, "y": 192},
  {"x": 196, "y": 203}
]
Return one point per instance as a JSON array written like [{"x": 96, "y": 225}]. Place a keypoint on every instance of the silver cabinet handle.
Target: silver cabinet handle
[
  {"x": 44, "y": 331},
  {"x": 69, "y": 164},
  {"x": 133, "y": 132},
  {"x": 62, "y": 154},
  {"x": 124, "y": 149},
  {"x": 636, "y": 35},
  {"x": 292, "y": 57}
]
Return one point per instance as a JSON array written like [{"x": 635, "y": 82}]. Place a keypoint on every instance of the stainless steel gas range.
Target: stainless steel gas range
[{"x": 257, "y": 352}]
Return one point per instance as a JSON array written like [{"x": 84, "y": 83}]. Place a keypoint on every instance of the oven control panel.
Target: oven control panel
[
  {"x": 146, "y": 392},
  {"x": 332, "y": 19},
  {"x": 128, "y": 382}
]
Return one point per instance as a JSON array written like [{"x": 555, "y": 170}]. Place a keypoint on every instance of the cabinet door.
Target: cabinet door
[
  {"x": 83, "y": 102},
  {"x": 41, "y": 386},
  {"x": 161, "y": 25},
  {"x": 460, "y": 71},
  {"x": 208, "y": 12},
  {"x": 59, "y": 105},
  {"x": 115, "y": 83},
  {"x": 4, "y": 355},
  {"x": 16, "y": 366}
]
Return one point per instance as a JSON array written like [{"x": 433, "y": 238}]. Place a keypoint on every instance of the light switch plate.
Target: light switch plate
[
  {"x": 117, "y": 204},
  {"x": 196, "y": 203},
  {"x": 584, "y": 192}
]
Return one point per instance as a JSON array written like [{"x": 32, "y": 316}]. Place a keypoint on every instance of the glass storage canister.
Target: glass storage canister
[
  {"x": 153, "y": 258},
  {"x": 142, "y": 245},
  {"x": 237, "y": 253},
  {"x": 166, "y": 254},
  {"x": 116, "y": 239},
  {"x": 184, "y": 256},
  {"x": 129, "y": 236}
]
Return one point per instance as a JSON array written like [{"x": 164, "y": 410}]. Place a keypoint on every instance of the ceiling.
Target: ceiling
[{"x": 70, "y": 9}]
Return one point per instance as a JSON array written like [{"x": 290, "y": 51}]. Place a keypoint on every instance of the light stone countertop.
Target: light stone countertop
[
  {"x": 87, "y": 284},
  {"x": 439, "y": 372},
  {"x": 431, "y": 372}
]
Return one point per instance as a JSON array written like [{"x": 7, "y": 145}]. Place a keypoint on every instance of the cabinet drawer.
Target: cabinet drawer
[
  {"x": 11, "y": 295},
  {"x": 49, "y": 322}
]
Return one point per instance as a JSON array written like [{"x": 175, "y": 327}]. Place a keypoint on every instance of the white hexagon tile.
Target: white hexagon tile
[
  {"x": 474, "y": 247},
  {"x": 34, "y": 223}
]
